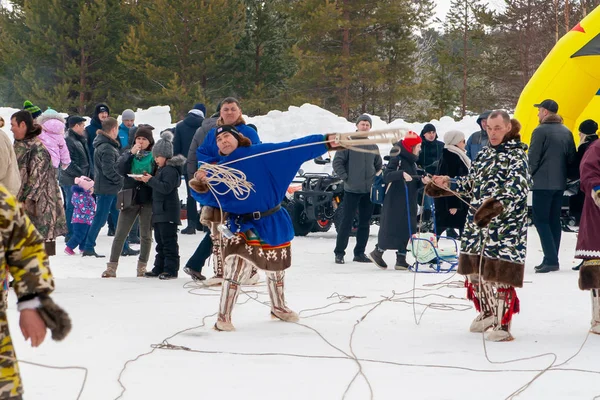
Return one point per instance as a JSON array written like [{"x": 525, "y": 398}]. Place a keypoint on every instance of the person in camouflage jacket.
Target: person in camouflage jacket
[
  {"x": 496, "y": 229},
  {"x": 22, "y": 255},
  {"x": 39, "y": 192}
]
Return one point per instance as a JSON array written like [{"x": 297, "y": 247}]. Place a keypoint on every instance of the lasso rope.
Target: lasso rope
[{"x": 236, "y": 182}]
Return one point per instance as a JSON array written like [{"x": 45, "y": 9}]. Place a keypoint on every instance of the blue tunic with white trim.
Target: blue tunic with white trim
[{"x": 271, "y": 174}]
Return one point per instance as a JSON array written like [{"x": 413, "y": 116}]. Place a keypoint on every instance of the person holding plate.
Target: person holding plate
[{"x": 137, "y": 161}]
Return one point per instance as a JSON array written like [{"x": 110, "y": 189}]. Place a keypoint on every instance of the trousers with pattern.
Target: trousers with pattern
[{"x": 10, "y": 380}]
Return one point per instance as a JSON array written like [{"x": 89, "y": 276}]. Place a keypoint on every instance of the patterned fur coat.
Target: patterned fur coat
[
  {"x": 500, "y": 173},
  {"x": 39, "y": 192}
]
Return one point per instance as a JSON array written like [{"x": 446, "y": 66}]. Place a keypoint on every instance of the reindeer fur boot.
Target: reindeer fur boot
[
  {"x": 595, "y": 328},
  {"x": 276, "y": 293},
  {"x": 236, "y": 270},
  {"x": 507, "y": 304},
  {"x": 482, "y": 296},
  {"x": 217, "y": 261}
]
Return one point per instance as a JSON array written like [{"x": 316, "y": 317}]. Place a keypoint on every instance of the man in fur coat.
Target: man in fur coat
[
  {"x": 588, "y": 244},
  {"x": 22, "y": 255},
  {"x": 261, "y": 229},
  {"x": 496, "y": 229}
]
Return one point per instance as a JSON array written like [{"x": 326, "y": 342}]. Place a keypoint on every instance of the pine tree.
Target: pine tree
[
  {"x": 263, "y": 58},
  {"x": 465, "y": 25},
  {"x": 64, "y": 52},
  {"x": 178, "y": 49}
]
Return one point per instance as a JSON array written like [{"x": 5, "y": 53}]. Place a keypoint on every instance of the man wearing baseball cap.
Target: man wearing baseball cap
[{"x": 551, "y": 153}]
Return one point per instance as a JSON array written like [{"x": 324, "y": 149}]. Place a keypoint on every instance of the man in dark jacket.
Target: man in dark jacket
[
  {"x": 478, "y": 140},
  {"x": 101, "y": 112},
  {"x": 551, "y": 153},
  {"x": 107, "y": 182},
  {"x": 199, "y": 136},
  {"x": 431, "y": 153},
  {"x": 184, "y": 134},
  {"x": 81, "y": 163},
  {"x": 357, "y": 169}
]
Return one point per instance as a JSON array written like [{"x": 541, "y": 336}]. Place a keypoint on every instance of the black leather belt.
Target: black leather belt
[{"x": 256, "y": 215}]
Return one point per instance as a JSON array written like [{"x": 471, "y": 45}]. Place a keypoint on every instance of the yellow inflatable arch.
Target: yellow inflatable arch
[{"x": 570, "y": 75}]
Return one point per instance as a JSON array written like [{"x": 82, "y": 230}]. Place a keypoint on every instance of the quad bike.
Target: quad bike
[
  {"x": 315, "y": 202},
  {"x": 312, "y": 200}
]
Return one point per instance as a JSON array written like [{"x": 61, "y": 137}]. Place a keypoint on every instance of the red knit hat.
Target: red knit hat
[{"x": 411, "y": 140}]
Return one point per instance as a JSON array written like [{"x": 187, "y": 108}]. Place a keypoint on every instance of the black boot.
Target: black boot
[
  {"x": 362, "y": 258},
  {"x": 377, "y": 257},
  {"x": 190, "y": 230},
  {"x": 339, "y": 258},
  {"x": 128, "y": 251},
  {"x": 401, "y": 264},
  {"x": 91, "y": 253}
]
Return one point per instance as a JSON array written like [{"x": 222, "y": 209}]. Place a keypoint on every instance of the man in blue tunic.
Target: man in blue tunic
[{"x": 261, "y": 229}]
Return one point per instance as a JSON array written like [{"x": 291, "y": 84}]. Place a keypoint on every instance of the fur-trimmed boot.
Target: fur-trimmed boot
[
  {"x": 482, "y": 296},
  {"x": 276, "y": 293},
  {"x": 217, "y": 261},
  {"x": 595, "y": 311},
  {"x": 507, "y": 304},
  {"x": 236, "y": 270},
  {"x": 141, "y": 269},
  {"x": 111, "y": 270}
]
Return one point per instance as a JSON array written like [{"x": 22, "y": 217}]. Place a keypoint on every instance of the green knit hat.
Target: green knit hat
[{"x": 33, "y": 110}]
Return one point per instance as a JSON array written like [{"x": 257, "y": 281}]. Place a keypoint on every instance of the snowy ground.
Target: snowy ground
[{"x": 115, "y": 320}]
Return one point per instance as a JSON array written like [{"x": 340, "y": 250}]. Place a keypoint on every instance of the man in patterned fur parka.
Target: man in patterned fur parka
[
  {"x": 262, "y": 229},
  {"x": 588, "y": 244},
  {"x": 496, "y": 186},
  {"x": 22, "y": 254}
]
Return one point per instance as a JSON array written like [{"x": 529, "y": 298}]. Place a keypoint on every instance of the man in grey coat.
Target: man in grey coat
[
  {"x": 357, "y": 170},
  {"x": 551, "y": 153}
]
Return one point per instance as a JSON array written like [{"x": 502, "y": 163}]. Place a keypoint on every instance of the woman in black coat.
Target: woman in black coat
[
  {"x": 451, "y": 212},
  {"x": 587, "y": 135},
  {"x": 400, "y": 174}
]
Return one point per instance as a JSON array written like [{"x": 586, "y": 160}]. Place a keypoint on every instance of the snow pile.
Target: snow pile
[{"x": 278, "y": 126}]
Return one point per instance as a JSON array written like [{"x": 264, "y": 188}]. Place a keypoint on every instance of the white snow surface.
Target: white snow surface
[{"x": 116, "y": 320}]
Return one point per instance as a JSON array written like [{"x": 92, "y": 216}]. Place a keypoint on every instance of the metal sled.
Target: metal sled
[
  {"x": 429, "y": 257},
  {"x": 440, "y": 261}
]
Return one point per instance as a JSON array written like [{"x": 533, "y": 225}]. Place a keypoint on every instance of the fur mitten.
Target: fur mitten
[
  {"x": 198, "y": 186},
  {"x": 56, "y": 319},
  {"x": 209, "y": 215},
  {"x": 435, "y": 191},
  {"x": 489, "y": 210},
  {"x": 596, "y": 196}
]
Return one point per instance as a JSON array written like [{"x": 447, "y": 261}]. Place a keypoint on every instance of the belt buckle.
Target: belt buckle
[{"x": 256, "y": 215}]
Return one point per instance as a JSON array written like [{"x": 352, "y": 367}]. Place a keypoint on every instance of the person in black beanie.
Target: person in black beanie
[
  {"x": 588, "y": 133},
  {"x": 429, "y": 158},
  {"x": 81, "y": 164}
]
